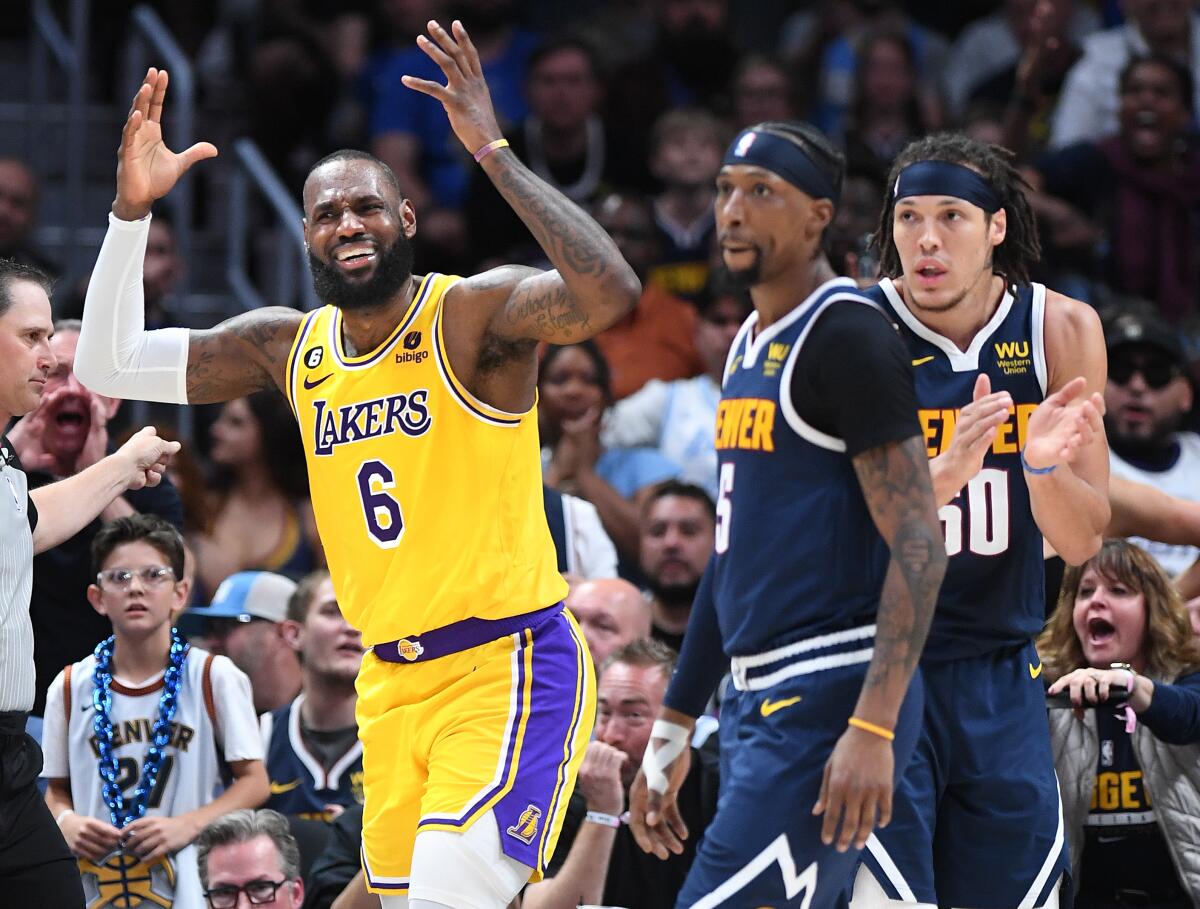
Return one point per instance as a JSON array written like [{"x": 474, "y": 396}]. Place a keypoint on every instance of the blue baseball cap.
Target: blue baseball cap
[{"x": 250, "y": 595}]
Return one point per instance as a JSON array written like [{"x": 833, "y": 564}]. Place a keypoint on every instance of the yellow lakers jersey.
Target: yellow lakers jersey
[{"x": 428, "y": 501}]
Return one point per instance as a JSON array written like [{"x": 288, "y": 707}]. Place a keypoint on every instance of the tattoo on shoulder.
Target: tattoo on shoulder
[
  {"x": 270, "y": 331},
  {"x": 243, "y": 354}
]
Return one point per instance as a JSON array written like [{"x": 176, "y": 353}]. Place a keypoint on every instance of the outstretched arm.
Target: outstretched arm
[
  {"x": 116, "y": 356},
  {"x": 592, "y": 286},
  {"x": 66, "y": 507}
]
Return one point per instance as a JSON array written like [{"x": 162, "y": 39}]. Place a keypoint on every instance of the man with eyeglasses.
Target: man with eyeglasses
[
  {"x": 1146, "y": 398},
  {"x": 250, "y": 858}
]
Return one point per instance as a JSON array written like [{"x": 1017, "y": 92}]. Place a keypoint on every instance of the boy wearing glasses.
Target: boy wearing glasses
[
  {"x": 1146, "y": 398},
  {"x": 142, "y": 735}
]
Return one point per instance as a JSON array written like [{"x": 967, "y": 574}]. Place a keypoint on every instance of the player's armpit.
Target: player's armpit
[
  {"x": 242, "y": 355},
  {"x": 896, "y": 484}
]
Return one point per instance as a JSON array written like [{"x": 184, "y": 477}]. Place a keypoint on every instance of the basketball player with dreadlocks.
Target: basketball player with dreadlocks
[
  {"x": 827, "y": 561},
  {"x": 1008, "y": 378}
]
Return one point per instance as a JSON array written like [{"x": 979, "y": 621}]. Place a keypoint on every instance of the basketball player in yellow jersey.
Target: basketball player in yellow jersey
[{"x": 415, "y": 398}]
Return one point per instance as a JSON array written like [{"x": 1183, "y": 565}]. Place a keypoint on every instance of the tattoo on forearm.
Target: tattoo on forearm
[
  {"x": 570, "y": 238},
  {"x": 896, "y": 484}
]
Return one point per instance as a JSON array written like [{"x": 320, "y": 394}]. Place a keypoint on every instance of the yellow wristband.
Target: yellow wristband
[
  {"x": 872, "y": 728},
  {"x": 489, "y": 148}
]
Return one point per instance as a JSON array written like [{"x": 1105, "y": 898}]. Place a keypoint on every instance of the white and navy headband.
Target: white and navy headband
[
  {"x": 783, "y": 157},
  {"x": 942, "y": 178}
]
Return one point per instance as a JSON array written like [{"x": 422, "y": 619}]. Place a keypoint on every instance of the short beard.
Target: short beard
[
  {"x": 743, "y": 278},
  {"x": 391, "y": 273},
  {"x": 673, "y": 594}
]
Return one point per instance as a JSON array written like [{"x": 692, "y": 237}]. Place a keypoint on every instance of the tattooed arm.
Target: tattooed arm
[
  {"x": 592, "y": 286},
  {"x": 244, "y": 354},
  {"x": 859, "y": 775},
  {"x": 874, "y": 412}
]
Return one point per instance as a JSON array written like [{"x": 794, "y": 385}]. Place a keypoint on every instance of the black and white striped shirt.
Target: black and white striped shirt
[{"x": 17, "y": 520}]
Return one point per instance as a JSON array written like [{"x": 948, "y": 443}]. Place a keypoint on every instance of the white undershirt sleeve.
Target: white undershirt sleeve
[{"x": 116, "y": 355}]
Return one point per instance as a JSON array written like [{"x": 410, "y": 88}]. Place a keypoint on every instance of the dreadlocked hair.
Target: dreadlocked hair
[
  {"x": 810, "y": 140},
  {"x": 1021, "y": 246}
]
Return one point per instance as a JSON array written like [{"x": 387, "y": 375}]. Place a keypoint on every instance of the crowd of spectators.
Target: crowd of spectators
[{"x": 626, "y": 106}]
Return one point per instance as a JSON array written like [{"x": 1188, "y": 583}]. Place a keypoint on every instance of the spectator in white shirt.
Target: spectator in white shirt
[{"x": 1088, "y": 105}]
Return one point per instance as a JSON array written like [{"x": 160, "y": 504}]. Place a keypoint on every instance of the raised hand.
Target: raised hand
[
  {"x": 1063, "y": 425},
  {"x": 975, "y": 430},
  {"x": 95, "y": 446},
  {"x": 465, "y": 95},
  {"x": 146, "y": 168},
  {"x": 27, "y": 437},
  {"x": 600, "y": 778}
]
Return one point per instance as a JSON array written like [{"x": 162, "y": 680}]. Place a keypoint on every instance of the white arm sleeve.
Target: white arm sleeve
[{"x": 116, "y": 356}]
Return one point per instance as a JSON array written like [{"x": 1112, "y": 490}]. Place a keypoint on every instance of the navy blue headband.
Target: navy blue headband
[
  {"x": 941, "y": 178},
  {"x": 759, "y": 148}
]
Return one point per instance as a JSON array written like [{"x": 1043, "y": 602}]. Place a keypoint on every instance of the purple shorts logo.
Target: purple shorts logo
[{"x": 526, "y": 827}]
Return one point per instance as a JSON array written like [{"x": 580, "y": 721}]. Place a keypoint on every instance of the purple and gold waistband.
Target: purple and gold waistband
[{"x": 460, "y": 636}]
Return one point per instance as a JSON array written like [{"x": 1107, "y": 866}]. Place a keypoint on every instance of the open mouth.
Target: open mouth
[
  {"x": 929, "y": 272},
  {"x": 354, "y": 256},
  {"x": 72, "y": 413},
  {"x": 1100, "y": 631}
]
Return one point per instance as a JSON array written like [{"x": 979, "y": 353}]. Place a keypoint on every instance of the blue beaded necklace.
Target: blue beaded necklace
[{"x": 124, "y": 812}]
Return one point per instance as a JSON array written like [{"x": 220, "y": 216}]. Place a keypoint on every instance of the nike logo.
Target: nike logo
[
  {"x": 768, "y": 706},
  {"x": 1110, "y": 839},
  {"x": 281, "y": 788},
  {"x": 311, "y": 385},
  {"x": 1034, "y": 673},
  {"x": 918, "y": 362}
]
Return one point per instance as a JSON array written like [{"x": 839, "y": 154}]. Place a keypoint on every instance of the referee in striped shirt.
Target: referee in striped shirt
[{"x": 36, "y": 867}]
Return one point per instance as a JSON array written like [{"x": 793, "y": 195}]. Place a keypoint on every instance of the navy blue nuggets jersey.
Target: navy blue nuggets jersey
[
  {"x": 300, "y": 785},
  {"x": 781, "y": 479},
  {"x": 992, "y": 596}
]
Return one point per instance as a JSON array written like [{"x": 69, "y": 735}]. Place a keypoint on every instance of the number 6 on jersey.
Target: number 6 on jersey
[{"x": 385, "y": 523}]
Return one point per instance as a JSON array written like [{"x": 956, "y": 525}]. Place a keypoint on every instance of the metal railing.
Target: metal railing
[
  {"x": 290, "y": 283},
  {"x": 68, "y": 48},
  {"x": 152, "y": 44}
]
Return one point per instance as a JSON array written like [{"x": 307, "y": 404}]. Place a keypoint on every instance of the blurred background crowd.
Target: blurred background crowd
[{"x": 626, "y": 106}]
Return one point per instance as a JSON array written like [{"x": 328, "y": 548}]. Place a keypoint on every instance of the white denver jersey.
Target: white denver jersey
[
  {"x": 214, "y": 724},
  {"x": 1182, "y": 480}
]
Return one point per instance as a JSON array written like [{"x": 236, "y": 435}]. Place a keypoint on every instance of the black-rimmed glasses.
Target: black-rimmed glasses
[{"x": 258, "y": 892}]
